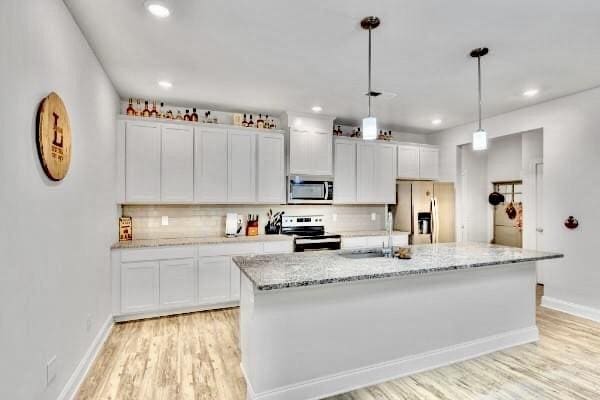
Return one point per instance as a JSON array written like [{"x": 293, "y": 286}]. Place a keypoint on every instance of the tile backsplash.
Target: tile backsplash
[{"x": 209, "y": 220}]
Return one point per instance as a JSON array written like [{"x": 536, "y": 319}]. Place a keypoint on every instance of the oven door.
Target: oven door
[{"x": 310, "y": 192}]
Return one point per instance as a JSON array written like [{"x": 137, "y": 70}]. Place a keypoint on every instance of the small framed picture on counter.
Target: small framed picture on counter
[{"x": 125, "y": 229}]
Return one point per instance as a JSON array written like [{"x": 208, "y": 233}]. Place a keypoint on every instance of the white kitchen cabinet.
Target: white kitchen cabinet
[
  {"x": 235, "y": 286},
  {"x": 214, "y": 279},
  {"x": 241, "y": 167},
  {"x": 139, "y": 286},
  {"x": 408, "y": 161},
  {"x": 344, "y": 172},
  {"x": 177, "y": 164},
  {"x": 362, "y": 242},
  {"x": 142, "y": 161},
  {"x": 271, "y": 168},
  {"x": 429, "y": 163},
  {"x": 365, "y": 173},
  {"x": 178, "y": 286},
  {"x": 211, "y": 165},
  {"x": 385, "y": 173},
  {"x": 311, "y": 152}
]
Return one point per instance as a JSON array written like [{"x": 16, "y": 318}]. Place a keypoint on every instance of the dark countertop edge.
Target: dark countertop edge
[{"x": 277, "y": 286}]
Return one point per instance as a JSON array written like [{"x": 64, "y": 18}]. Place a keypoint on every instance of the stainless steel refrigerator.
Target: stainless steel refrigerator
[{"x": 425, "y": 210}]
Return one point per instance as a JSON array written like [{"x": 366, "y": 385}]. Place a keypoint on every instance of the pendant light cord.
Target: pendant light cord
[
  {"x": 479, "y": 80},
  {"x": 369, "y": 71}
]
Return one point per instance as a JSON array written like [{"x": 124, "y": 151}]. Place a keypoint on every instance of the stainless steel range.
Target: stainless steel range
[{"x": 309, "y": 233}]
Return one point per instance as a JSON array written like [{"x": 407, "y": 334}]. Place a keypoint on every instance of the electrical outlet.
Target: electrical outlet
[
  {"x": 373, "y": 216},
  {"x": 334, "y": 217},
  {"x": 88, "y": 323},
  {"x": 164, "y": 221},
  {"x": 50, "y": 371}
]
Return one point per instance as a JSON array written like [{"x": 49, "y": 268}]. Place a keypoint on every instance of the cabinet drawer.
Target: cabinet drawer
[
  {"x": 400, "y": 240},
  {"x": 161, "y": 253},
  {"x": 278, "y": 247},
  {"x": 377, "y": 241},
  {"x": 230, "y": 249}
]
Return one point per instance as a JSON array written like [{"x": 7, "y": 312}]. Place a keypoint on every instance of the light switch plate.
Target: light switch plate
[
  {"x": 334, "y": 217},
  {"x": 164, "y": 221},
  {"x": 373, "y": 217},
  {"x": 50, "y": 371}
]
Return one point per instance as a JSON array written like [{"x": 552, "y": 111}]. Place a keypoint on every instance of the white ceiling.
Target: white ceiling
[{"x": 274, "y": 55}]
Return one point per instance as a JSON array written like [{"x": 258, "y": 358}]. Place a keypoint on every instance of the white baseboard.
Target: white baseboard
[
  {"x": 175, "y": 311},
  {"x": 72, "y": 386},
  {"x": 571, "y": 308},
  {"x": 354, "y": 379}
]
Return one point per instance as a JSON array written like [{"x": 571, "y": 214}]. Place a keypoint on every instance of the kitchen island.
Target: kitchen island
[{"x": 317, "y": 324}]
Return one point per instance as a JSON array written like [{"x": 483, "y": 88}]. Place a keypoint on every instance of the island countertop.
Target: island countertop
[{"x": 279, "y": 271}]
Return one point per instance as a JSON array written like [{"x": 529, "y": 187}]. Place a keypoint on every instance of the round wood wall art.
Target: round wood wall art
[{"x": 54, "y": 137}]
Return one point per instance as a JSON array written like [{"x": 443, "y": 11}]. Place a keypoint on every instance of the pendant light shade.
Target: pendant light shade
[
  {"x": 479, "y": 136},
  {"x": 369, "y": 128},
  {"x": 369, "y": 123}
]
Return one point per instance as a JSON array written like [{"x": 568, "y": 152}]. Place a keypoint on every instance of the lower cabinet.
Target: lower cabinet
[
  {"x": 177, "y": 283},
  {"x": 214, "y": 279},
  {"x": 139, "y": 286}
]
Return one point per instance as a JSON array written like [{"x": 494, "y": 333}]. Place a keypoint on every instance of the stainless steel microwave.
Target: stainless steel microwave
[{"x": 302, "y": 191}]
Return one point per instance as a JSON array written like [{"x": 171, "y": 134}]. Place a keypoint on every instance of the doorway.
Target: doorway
[{"x": 508, "y": 215}]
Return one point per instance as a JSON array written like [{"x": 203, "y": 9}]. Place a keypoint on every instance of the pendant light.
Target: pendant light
[
  {"x": 369, "y": 124},
  {"x": 479, "y": 136}
]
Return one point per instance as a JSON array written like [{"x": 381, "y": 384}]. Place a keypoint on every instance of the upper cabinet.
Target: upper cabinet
[
  {"x": 211, "y": 167},
  {"x": 365, "y": 172},
  {"x": 142, "y": 164},
  {"x": 418, "y": 162},
  {"x": 171, "y": 162},
  {"x": 310, "y": 147},
  {"x": 271, "y": 168},
  {"x": 177, "y": 164}
]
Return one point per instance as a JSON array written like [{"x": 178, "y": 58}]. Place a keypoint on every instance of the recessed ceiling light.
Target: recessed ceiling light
[
  {"x": 317, "y": 108},
  {"x": 157, "y": 8},
  {"x": 165, "y": 84},
  {"x": 530, "y": 92},
  {"x": 436, "y": 121}
]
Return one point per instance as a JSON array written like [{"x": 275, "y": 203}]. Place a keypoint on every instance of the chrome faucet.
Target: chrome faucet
[{"x": 388, "y": 251}]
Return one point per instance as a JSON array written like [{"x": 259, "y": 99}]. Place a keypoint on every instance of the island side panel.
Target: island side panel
[{"x": 310, "y": 342}]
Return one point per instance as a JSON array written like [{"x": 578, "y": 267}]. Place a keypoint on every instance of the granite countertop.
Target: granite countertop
[
  {"x": 370, "y": 233},
  {"x": 280, "y": 271},
  {"x": 138, "y": 243}
]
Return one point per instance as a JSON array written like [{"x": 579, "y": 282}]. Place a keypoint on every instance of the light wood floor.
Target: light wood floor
[{"x": 196, "y": 356}]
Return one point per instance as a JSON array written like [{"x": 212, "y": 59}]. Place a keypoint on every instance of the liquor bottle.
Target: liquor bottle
[
  {"x": 187, "y": 116},
  {"x": 146, "y": 111},
  {"x": 267, "y": 122},
  {"x": 159, "y": 113},
  {"x": 130, "y": 110},
  {"x": 194, "y": 115},
  {"x": 169, "y": 114},
  {"x": 358, "y": 132},
  {"x": 153, "y": 111},
  {"x": 179, "y": 116},
  {"x": 138, "y": 108},
  {"x": 272, "y": 124},
  {"x": 250, "y": 123},
  {"x": 245, "y": 122},
  {"x": 260, "y": 123}
]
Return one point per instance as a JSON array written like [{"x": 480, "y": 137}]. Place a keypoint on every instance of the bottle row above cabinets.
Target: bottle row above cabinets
[{"x": 165, "y": 162}]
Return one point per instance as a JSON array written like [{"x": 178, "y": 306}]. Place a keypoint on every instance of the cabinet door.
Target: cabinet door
[
  {"x": 300, "y": 146},
  {"x": 210, "y": 162},
  {"x": 214, "y": 279},
  {"x": 365, "y": 173},
  {"x": 139, "y": 286},
  {"x": 385, "y": 173},
  {"x": 178, "y": 283},
  {"x": 429, "y": 159},
  {"x": 408, "y": 162},
  {"x": 236, "y": 282},
  {"x": 177, "y": 163},
  {"x": 271, "y": 168},
  {"x": 242, "y": 167},
  {"x": 321, "y": 152},
  {"x": 344, "y": 172},
  {"x": 142, "y": 162}
]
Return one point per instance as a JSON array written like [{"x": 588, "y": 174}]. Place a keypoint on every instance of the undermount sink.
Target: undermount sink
[{"x": 358, "y": 254}]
